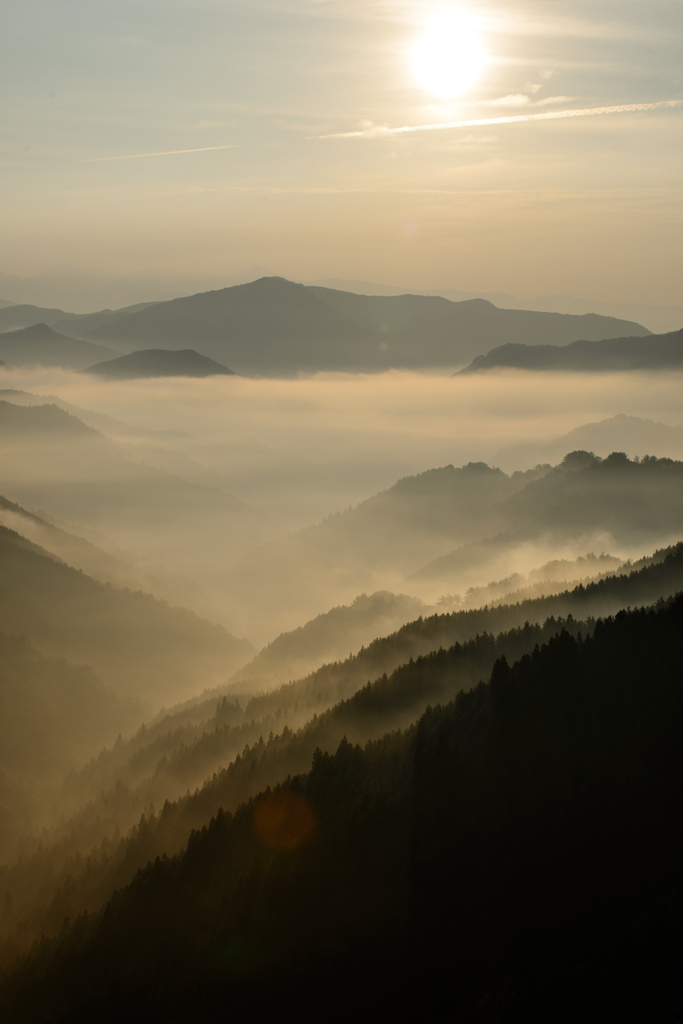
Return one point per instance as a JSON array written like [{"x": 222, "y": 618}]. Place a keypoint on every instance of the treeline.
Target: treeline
[
  {"x": 516, "y": 855},
  {"x": 92, "y": 859},
  {"x": 169, "y": 759},
  {"x": 127, "y": 784}
]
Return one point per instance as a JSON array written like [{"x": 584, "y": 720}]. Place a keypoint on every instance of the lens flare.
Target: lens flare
[{"x": 283, "y": 820}]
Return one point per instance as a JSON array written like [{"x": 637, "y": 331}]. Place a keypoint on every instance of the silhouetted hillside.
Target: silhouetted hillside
[
  {"x": 477, "y": 522},
  {"x": 39, "y": 345},
  {"x": 158, "y": 362},
  {"x": 51, "y": 714},
  {"x": 273, "y": 326},
  {"x": 658, "y": 352},
  {"x": 632, "y": 502},
  {"x": 93, "y": 560},
  {"x": 137, "y": 644},
  {"x": 329, "y": 636},
  {"x": 514, "y": 850}
]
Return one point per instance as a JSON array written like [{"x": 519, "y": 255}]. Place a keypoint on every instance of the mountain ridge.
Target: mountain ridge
[
  {"x": 656, "y": 352},
  {"x": 273, "y": 326}
]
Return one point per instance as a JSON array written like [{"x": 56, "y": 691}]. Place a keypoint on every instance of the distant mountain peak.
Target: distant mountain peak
[{"x": 159, "y": 362}]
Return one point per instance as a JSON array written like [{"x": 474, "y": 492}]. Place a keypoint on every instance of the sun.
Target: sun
[{"x": 449, "y": 56}]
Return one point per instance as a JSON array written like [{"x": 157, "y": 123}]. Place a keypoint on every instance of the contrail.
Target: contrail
[
  {"x": 552, "y": 115},
  {"x": 165, "y": 152}
]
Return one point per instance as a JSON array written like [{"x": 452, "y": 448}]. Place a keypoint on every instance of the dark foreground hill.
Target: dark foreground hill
[
  {"x": 658, "y": 352},
  {"x": 518, "y": 849},
  {"x": 428, "y": 662},
  {"x": 273, "y": 326},
  {"x": 40, "y": 345},
  {"x": 158, "y": 362}
]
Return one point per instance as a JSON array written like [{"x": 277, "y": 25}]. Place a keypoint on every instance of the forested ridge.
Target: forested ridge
[
  {"x": 224, "y": 749},
  {"x": 514, "y": 850}
]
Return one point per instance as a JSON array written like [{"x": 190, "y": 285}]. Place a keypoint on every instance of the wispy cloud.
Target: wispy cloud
[
  {"x": 165, "y": 152},
  {"x": 551, "y": 115}
]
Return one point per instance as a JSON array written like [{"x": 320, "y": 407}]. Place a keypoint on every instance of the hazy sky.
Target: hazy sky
[{"x": 251, "y": 103}]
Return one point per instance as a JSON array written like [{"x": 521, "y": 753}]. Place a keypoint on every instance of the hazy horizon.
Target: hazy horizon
[{"x": 202, "y": 139}]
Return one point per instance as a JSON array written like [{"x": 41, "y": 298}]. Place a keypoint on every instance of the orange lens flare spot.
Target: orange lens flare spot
[{"x": 283, "y": 821}]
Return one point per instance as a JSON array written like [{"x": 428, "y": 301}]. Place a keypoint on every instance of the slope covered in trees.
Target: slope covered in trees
[
  {"x": 447, "y": 529},
  {"x": 634, "y": 502},
  {"x": 52, "y": 715},
  {"x": 84, "y": 861},
  {"x": 515, "y": 849}
]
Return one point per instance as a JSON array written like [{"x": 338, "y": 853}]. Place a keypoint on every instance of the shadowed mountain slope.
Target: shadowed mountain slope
[
  {"x": 273, "y": 326},
  {"x": 39, "y": 345},
  {"x": 658, "y": 352},
  {"x": 95, "y": 561},
  {"x": 138, "y": 645},
  {"x": 517, "y": 838},
  {"x": 184, "y": 746},
  {"x": 630, "y": 502},
  {"x": 158, "y": 362},
  {"x": 479, "y": 523}
]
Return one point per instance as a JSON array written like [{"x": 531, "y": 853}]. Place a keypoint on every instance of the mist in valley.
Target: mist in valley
[{"x": 219, "y": 494}]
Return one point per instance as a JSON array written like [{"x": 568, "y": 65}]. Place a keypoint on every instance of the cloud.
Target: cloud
[
  {"x": 516, "y": 100},
  {"x": 165, "y": 152},
  {"x": 553, "y": 115}
]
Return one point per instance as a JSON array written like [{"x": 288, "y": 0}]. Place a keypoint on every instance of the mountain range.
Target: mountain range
[
  {"x": 274, "y": 327},
  {"x": 444, "y": 530},
  {"x": 657, "y": 352}
]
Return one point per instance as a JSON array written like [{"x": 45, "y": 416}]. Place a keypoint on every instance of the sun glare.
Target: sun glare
[{"x": 449, "y": 56}]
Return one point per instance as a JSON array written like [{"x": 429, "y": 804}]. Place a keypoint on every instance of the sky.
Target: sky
[{"x": 205, "y": 136}]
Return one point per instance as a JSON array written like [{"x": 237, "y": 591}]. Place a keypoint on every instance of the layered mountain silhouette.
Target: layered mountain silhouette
[
  {"x": 78, "y": 325},
  {"x": 13, "y": 317},
  {"x": 482, "y": 522},
  {"x": 657, "y": 352},
  {"x": 40, "y": 345},
  {"x": 158, "y": 362},
  {"x": 273, "y": 326}
]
